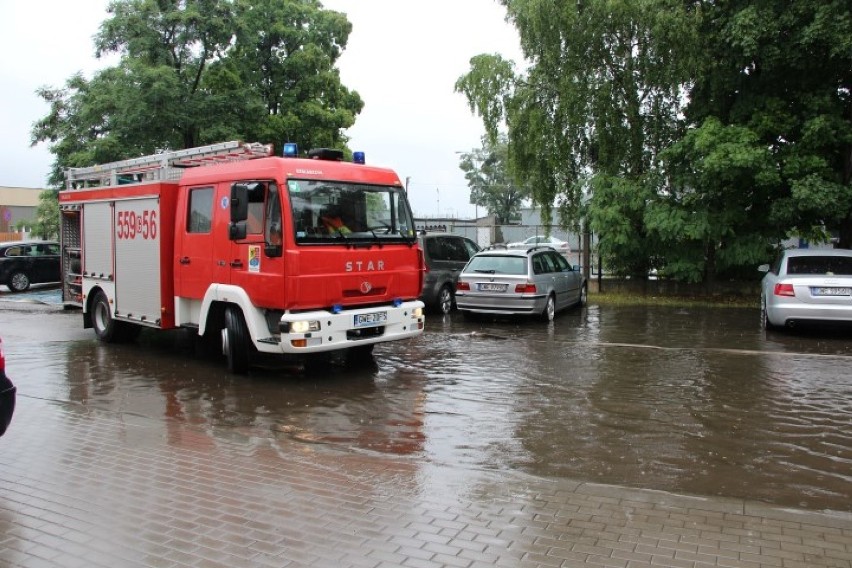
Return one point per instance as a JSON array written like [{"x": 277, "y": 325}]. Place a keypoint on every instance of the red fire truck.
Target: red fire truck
[{"x": 257, "y": 253}]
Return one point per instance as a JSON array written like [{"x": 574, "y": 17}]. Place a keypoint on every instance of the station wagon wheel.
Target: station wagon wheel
[
  {"x": 584, "y": 295},
  {"x": 19, "y": 282},
  {"x": 445, "y": 299},
  {"x": 549, "y": 311},
  {"x": 235, "y": 341}
]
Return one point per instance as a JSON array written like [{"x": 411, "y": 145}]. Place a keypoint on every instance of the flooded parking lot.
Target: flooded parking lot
[{"x": 696, "y": 400}]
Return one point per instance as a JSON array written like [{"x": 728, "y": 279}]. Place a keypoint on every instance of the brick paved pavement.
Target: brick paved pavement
[{"x": 89, "y": 488}]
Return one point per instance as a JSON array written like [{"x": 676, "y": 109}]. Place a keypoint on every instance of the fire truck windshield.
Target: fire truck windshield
[{"x": 325, "y": 212}]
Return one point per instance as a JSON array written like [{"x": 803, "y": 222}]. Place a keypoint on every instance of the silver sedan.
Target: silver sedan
[{"x": 807, "y": 285}]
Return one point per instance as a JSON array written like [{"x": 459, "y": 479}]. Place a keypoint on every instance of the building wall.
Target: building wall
[{"x": 16, "y": 204}]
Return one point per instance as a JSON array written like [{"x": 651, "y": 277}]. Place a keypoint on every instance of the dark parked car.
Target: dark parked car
[
  {"x": 445, "y": 256},
  {"x": 7, "y": 395},
  {"x": 28, "y": 262}
]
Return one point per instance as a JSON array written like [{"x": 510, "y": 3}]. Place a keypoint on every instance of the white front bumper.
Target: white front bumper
[{"x": 339, "y": 331}]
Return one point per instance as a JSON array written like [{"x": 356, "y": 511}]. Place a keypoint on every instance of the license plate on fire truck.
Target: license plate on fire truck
[{"x": 375, "y": 318}]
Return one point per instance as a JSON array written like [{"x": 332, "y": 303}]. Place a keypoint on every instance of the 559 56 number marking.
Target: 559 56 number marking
[{"x": 131, "y": 224}]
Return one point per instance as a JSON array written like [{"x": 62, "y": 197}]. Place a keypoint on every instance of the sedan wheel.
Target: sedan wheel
[
  {"x": 19, "y": 282},
  {"x": 764, "y": 317}
]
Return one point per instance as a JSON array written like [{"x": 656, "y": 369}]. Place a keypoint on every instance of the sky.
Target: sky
[{"x": 403, "y": 58}]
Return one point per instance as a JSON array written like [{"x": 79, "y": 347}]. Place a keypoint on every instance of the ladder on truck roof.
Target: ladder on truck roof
[{"x": 165, "y": 166}]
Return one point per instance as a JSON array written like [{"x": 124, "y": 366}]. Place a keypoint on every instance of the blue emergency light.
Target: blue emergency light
[
  {"x": 291, "y": 150},
  {"x": 359, "y": 158}
]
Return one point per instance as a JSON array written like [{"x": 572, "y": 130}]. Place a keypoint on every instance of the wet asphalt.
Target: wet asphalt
[{"x": 699, "y": 401}]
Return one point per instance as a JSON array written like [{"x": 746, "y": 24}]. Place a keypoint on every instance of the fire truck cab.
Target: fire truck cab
[{"x": 258, "y": 253}]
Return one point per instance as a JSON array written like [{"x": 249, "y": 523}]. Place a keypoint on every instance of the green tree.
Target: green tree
[
  {"x": 194, "y": 72},
  {"x": 713, "y": 216},
  {"x": 599, "y": 101},
  {"x": 780, "y": 73},
  {"x": 285, "y": 53},
  {"x": 46, "y": 223},
  {"x": 491, "y": 185}
]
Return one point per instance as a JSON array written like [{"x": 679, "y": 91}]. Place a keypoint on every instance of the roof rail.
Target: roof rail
[
  {"x": 536, "y": 247},
  {"x": 164, "y": 166}
]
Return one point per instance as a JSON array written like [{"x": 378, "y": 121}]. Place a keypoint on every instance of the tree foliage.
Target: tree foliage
[
  {"x": 491, "y": 184},
  {"x": 692, "y": 136},
  {"x": 783, "y": 71},
  {"x": 46, "y": 224},
  {"x": 194, "y": 72},
  {"x": 600, "y": 97}
]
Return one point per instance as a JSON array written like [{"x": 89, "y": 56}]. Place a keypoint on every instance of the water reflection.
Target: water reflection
[
  {"x": 699, "y": 401},
  {"x": 362, "y": 409},
  {"x": 673, "y": 399}
]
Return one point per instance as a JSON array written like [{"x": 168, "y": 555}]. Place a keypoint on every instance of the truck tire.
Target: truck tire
[
  {"x": 106, "y": 328},
  {"x": 236, "y": 342}
]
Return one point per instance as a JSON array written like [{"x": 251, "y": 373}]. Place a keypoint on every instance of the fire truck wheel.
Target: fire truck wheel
[
  {"x": 235, "y": 341},
  {"x": 105, "y": 327}
]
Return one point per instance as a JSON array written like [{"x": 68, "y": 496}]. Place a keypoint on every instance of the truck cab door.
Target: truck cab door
[
  {"x": 255, "y": 234},
  {"x": 195, "y": 243}
]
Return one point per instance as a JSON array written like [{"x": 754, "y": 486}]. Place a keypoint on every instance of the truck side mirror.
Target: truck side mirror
[
  {"x": 237, "y": 231},
  {"x": 239, "y": 202},
  {"x": 239, "y": 211}
]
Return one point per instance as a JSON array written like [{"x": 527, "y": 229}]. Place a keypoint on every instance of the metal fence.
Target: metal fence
[{"x": 486, "y": 234}]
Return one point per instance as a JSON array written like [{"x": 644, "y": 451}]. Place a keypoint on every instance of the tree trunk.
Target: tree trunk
[
  {"x": 845, "y": 241},
  {"x": 710, "y": 269}
]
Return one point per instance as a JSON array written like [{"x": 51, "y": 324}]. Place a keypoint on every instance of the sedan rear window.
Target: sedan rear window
[
  {"x": 828, "y": 265},
  {"x": 498, "y": 265}
]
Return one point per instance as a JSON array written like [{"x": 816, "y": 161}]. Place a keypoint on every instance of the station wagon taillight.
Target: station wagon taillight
[
  {"x": 784, "y": 290},
  {"x": 527, "y": 288},
  {"x": 462, "y": 285}
]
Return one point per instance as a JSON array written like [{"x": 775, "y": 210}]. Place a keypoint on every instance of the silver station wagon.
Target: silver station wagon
[{"x": 537, "y": 281}]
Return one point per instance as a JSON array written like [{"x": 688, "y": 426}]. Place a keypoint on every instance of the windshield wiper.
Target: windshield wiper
[{"x": 492, "y": 271}]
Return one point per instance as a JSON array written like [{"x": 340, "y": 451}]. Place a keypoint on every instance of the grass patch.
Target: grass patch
[{"x": 626, "y": 299}]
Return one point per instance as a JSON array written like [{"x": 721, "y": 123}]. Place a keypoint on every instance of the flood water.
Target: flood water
[{"x": 697, "y": 400}]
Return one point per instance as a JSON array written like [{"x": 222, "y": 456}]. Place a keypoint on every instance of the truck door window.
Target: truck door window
[
  {"x": 200, "y": 210},
  {"x": 273, "y": 234},
  {"x": 256, "y": 207}
]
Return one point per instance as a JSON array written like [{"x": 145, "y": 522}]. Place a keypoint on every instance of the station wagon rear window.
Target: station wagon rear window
[{"x": 516, "y": 265}]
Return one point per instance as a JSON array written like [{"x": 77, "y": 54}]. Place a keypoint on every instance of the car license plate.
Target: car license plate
[
  {"x": 375, "y": 318},
  {"x": 490, "y": 287},
  {"x": 832, "y": 291}
]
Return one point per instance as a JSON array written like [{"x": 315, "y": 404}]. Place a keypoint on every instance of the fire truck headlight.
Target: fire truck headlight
[
  {"x": 417, "y": 313},
  {"x": 304, "y": 326}
]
